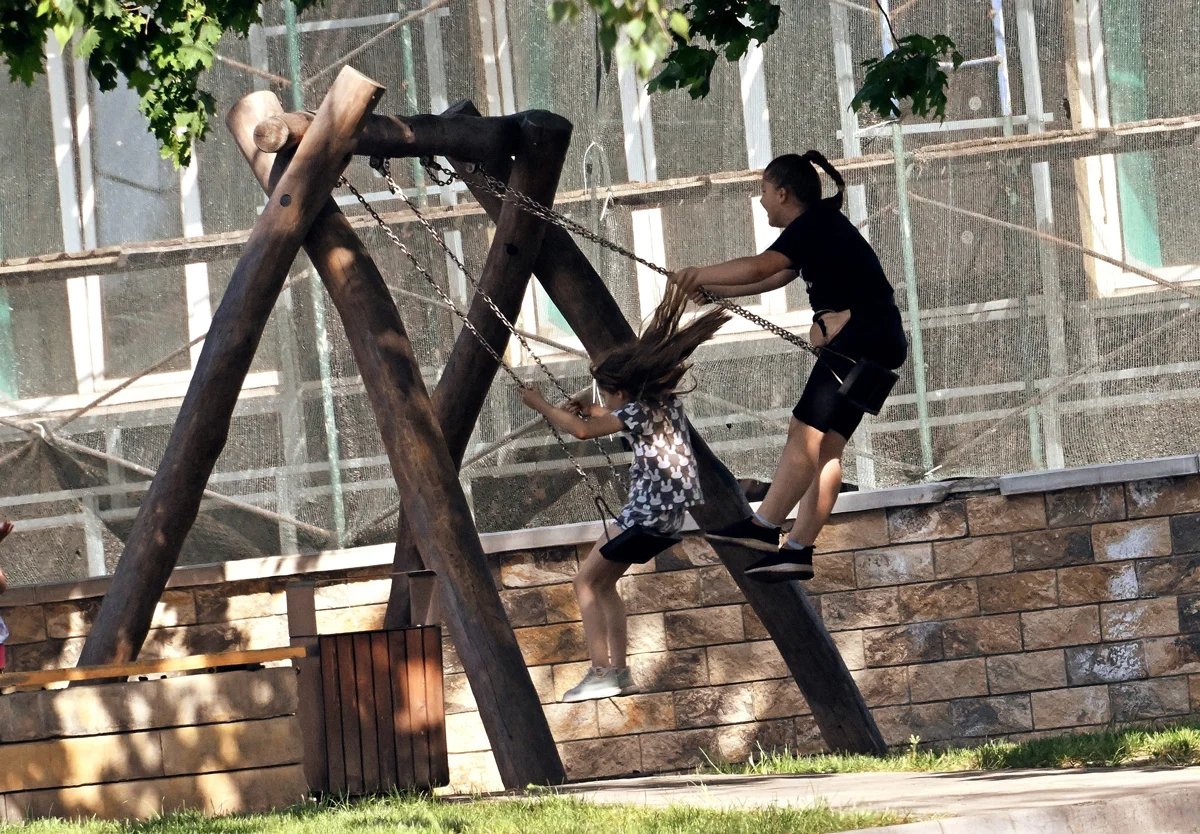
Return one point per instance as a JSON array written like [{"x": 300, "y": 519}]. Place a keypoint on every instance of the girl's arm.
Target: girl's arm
[
  {"x": 779, "y": 279},
  {"x": 563, "y": 420},
  {"x": 739, "y": 272}
]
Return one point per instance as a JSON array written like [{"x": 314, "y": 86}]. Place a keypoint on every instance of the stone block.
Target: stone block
[
  {"x": 860, "y": 609},
  {"x": 995, "y": 634},
  {"x": 998, "y": 715},
  {"x": 465, "y": 733},
  {"x": 647, "y": 713},
  {"x": 939, "y": 600},
  {"x": 661, "y": 591},
  {"x": 212, "y": 748},
  {"x": 1194, "y": 692},
  {"x": 972, "y": 557},
  {"x": 1097, "y": 583},
  {"x": 1139, "y": 618},
  {"x": 476, "y": 773},
  {"x": 570, "y": 722},
  {"x": 524, "y": 606},
  {"x": 947, "y": 679},
  {"x": 704, "y": 627},
  {"x": 752, "y": 626},
  {"x": 26, "y": 624},
  {"x": 1188, "y": 607},
  {"x": 853, "y": 531},
  {"x": 57, "y": 763},
  {"x": 1085, "y": 505},
  {"x": 543, "y": 567},
  {"x": 560, "y": 603},
  {"x": 740, "y": 662},
  {"x": 350, "y": 594},
  {"x": 808, "y": 736},
  {"x": 894, "y": 723},
  {"x": 1079, "y": 706},
  {"x": 717, "y": 587},
  {"x": 832, "y": 572},
  {"x": 646, "y": 633},
  {"x": 1025, "y": 591},
  {"x": 666, "y": 671},
  {"x": 678, "y": 749},
  {"x": 1168, "y": 577},
  {"x": 780, "y": 698},
  {"x": 897, "y": 645},
  {"x": 1060, "y": 627},
  {"x": 932, "y": 722},
  {"x": 1109, "y": 663},
  {"x": 72, "y": 618},
  {"x": 692, "y": 552},
  {"x": 928, "y": 522},
  {"x": 543, "y": 683},
  {"x": 344, "y": 620},
  {"x": 1185, "y": 533},
  {"x": 850, "y": 646},
  {"x": 1143, "y": 539},
  {"x": 597, "y": 758},
  {"x": 1147, "y": 700},
  {"x": 894, "y": 565},
  {"x": 457, "y": 695},
  {"x": 990, "y": 514},
  {"x": 221, "y": 603},
  {"x": 1163, "y": 496},
  {"x": 1052, "y": 548},
  {"x": 740, "y": 743},
  {"x": 712, "y": 705},
  {"x": 48, "y": 654},
  {"x": 1172, "y": 655},
  {"x": 882, "y": 687},
  {"x": 1025, "y": 672},
  {"x": 552, "y": 643}
]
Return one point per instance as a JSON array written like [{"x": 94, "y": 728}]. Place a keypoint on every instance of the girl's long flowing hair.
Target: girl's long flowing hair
[{"x": 651, "y": 366}]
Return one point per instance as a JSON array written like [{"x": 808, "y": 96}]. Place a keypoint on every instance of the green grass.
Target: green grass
[
  {"x": 543, "y": 815},
  {"x": 1178, "y": 745}
]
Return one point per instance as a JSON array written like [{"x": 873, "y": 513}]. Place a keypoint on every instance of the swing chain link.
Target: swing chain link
[
  {"x": 501, "y": 190},
  {"x": 597, "y": 493}
]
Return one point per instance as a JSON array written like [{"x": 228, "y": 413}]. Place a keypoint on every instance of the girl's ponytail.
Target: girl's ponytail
[{"x": 819, "y": 159}]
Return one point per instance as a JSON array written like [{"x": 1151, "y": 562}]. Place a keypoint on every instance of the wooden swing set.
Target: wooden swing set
[{"x": 298, "y": 159}]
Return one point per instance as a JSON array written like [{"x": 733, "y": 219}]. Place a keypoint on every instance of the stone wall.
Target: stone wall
[{"x": 1011, "y": 608}]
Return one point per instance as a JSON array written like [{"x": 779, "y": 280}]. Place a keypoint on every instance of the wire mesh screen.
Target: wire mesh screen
[{"x": 1041, "y": 240}]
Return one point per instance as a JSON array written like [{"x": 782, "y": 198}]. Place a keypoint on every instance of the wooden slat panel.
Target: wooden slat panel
[
  {"x": 364, "y": 688},
  {"x": 348, "y": 686},
  {"x": 333, "y": 716},
  {"x": 420, "y": 709},
  {"x": 439, "y": 765},
  {"x": 401, "y": 707},
  {"x": 384, "y": 708},
  {"x": 151, "y": 667}
]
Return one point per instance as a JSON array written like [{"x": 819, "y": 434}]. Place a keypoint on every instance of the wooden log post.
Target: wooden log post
[
  {"x": 785, "y": 609},
  {"x": 428, "y": 482},
  {"x": 470, "y": 369},
  {"x": 202, "y": 427}
]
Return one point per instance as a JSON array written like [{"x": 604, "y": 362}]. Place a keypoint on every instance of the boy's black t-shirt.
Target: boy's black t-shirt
[{"x": 839, "y": 267}]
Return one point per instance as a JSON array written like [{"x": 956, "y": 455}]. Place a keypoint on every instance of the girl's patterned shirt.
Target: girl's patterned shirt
[{"x": 663, "y": 481}]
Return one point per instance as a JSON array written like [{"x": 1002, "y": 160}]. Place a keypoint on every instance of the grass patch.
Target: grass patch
[
  {"x": 544, "y": 815},
  {"x": 1179, "y": 745}
]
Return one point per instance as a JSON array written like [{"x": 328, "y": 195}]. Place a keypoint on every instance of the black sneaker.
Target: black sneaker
[
  {"x": 749, "y": 534},
  {"x": 784, "y": 565}
]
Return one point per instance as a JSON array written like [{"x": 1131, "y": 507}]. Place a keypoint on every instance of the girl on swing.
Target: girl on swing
[
  {"x": 637, "y": 382},
  {"x": 854, "y": 316}
]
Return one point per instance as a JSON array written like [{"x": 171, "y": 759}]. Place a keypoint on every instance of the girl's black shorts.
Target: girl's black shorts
[{"x": 874, "y": 333}]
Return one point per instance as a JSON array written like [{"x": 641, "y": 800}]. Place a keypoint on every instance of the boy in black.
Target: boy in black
[{"x": 854, "y": 316}]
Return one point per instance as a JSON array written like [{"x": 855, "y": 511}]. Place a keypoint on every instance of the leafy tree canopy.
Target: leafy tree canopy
[{"x": 162, "y": 48}]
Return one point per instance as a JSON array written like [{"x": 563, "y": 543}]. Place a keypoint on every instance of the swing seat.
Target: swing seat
[
  {"x": 637, "y": 545},
  {"x": 868, "y": 385}
]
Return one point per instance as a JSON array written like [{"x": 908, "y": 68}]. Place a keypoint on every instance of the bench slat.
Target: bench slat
[{"x": 150, "y": 667}]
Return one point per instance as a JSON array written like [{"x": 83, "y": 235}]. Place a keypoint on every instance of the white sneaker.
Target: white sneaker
[
  {"x": 626, "y": 682},
  {"x": 597, "y": 683}
]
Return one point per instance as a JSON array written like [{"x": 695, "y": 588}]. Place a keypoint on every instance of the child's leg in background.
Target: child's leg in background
[
  {"x": 795, "y": 472},
  {"x": 818, "y": 500},
  {"x": 600, "y": 606}
]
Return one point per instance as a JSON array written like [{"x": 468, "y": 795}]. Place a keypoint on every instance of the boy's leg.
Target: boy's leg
[
  {"x": 795, "y": 472},
  {"x": 822, "y": 494}
]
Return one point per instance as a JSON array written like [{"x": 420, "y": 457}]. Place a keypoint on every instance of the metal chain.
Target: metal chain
[
  {"x": 385, "y": 169},
  {"x": 597, "y": 494},
  {"x": 501, "y": 190}
]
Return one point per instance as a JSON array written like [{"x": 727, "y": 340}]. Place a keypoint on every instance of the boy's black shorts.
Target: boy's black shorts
[{"x": 872, "y": 333}]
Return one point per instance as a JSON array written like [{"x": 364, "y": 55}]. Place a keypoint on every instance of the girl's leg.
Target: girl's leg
[
  {"x": 795, "y": 473},
  {"x": 603, "y": 622},
  {"x": 818, "y": 500}
]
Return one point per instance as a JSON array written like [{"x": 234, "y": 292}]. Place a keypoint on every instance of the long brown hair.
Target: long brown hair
[
  {"x": 797, "y": 174},
  {"x": 651, "y": 366}
]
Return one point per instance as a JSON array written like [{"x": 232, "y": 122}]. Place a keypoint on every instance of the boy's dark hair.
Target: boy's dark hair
[
  {"x": 797, "y": 174},
  {"x": 651, "y": 366}
]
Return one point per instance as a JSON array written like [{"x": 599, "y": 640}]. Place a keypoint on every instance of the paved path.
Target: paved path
[{"x": 1122, "y": 801}]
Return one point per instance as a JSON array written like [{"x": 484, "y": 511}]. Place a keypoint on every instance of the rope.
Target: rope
[{"x": 597, "y": 494}]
